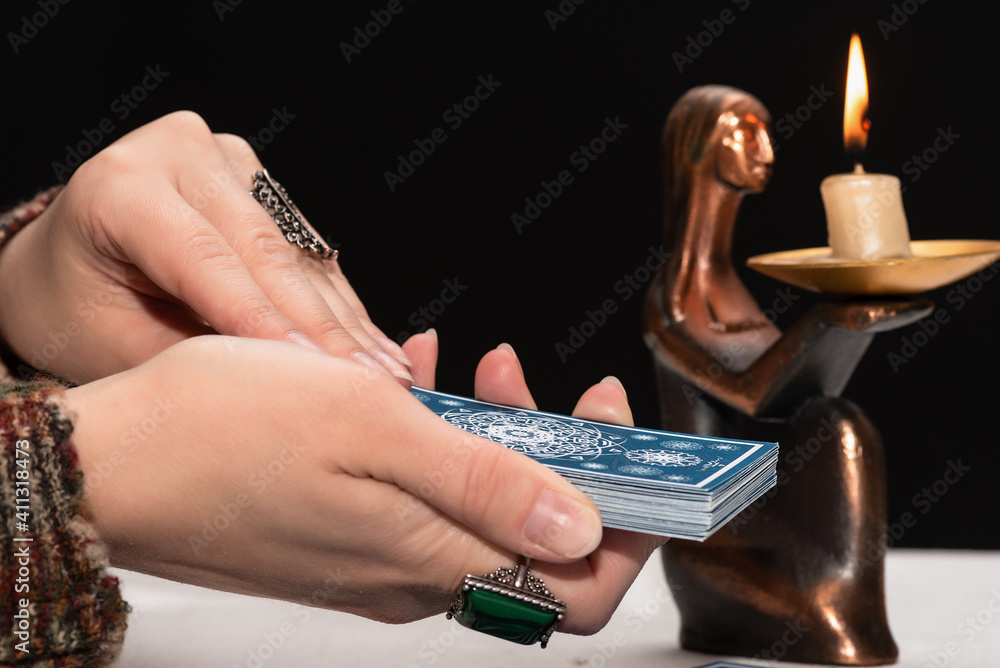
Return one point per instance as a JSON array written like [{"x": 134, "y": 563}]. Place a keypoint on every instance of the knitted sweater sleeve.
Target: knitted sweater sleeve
[{"x": 58, "y": 606}]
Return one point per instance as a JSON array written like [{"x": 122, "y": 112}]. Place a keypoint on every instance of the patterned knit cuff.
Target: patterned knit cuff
[
  {"x": 12, "y": 221},
  {"x": 65, "y": 610}
]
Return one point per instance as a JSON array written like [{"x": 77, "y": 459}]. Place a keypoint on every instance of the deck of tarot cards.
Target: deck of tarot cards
[{"x": 644, "y": 480}]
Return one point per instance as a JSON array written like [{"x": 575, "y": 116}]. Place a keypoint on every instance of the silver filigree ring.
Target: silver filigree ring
[
  {"x": 274, "y": 198},
  {"x": 509, "y": 603}
]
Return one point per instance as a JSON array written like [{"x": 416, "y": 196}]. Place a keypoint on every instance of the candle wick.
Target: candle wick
[{"x": 858, "y": 169}]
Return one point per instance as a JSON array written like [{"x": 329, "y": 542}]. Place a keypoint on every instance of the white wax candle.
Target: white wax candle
[{"x": 864, "y": 216}]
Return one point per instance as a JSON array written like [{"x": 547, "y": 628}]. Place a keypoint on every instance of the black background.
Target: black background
[{"x": 451, "y": 220}]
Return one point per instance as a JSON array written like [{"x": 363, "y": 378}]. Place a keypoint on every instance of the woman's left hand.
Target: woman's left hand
[{"x": 591, "y": 587}]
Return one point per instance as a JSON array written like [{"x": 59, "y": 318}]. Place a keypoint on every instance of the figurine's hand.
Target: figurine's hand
[
  {"x": 872, "y": 316},
  {"x": 156, "y": 239}
]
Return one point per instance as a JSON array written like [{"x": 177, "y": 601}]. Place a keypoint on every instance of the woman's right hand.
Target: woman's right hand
[
  {"x": 156, "y": 239},
  {"x": 261, "y": 467}
]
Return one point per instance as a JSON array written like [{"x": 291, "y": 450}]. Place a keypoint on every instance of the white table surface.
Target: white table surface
[{"x": 933, "y": 596}]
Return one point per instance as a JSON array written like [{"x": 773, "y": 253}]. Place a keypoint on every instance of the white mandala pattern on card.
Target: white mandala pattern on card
[
  {"x": 422, "y": 397},
  {"x": 451, "y": 402},
  {"x": 712, "y": 464},
  {"x": 725, "y": 447},
  {"x": 536, "y": 436},
  {"x": 663, "y": 457},
  {"x": 677, "y": 478},
  {"x": 682, "y": 445},
  {"x": 644, "y": 437},
  {"x": 594, "y": 466}
]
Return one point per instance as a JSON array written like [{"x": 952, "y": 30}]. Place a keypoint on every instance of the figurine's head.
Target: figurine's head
[
  {"x": 715, "y": 133},
  {"x": 744, "y": 157}
]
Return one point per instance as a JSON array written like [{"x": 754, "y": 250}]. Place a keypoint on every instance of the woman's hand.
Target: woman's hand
[
  {"x": 157, "y": 239},
  {"x": 591, "y": 587},
  {"x": 265, "y": 468}
]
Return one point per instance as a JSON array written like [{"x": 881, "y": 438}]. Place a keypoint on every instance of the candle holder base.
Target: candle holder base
[{"x": 932, "y": 264}]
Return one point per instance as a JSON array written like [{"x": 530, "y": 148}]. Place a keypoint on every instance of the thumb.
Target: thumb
[{"x": 501, "y": 495}]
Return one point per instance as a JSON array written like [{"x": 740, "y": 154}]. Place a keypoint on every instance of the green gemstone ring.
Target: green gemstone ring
[{"x": 511, "y": 604}]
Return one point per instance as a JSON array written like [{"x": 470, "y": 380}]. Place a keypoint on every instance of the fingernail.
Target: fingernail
[
  {"x": 394, "y": 349},
  {"x": 394, "y": 365},
  {"x": 563, "y": 526},
  {"x": 300, "y": 339},
  {"x": 365, "y": 358},
  {"x": 507, "y": 346},
  {"x": 611, "y": 380},
  {"x": 510, "y": 349},
  {"x": 433, "y": 332}
]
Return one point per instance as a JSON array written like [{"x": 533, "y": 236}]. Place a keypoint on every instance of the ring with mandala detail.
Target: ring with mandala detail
[
  {"x": 274, "y": 198},
  {"x": 509, "y": 603}
]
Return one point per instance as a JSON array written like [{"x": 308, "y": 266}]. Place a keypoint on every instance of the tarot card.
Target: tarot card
[{"x": 641, "y": 479}]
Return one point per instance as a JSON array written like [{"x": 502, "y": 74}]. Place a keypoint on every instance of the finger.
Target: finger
[
  {"x": 605, "y": 402},
  {"x": 190, "y": 260},
  {"x": 422, "y": 349},
  {"x": 497, "y": 493},
  {"x": 594, "y": 587},
  {"x": 182, "y": 253},
  {"x": 293, "y": 278},
  {"x": 500, "y": 379}
]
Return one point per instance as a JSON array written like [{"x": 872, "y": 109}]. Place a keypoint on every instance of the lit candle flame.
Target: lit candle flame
[{"x": 856, "y": 125}]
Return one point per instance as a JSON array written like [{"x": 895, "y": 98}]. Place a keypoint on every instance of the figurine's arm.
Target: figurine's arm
[{"x": 816, "y": 356}]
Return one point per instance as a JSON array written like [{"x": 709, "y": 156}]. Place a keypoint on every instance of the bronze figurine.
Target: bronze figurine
[{"x": 799, "y": 574}]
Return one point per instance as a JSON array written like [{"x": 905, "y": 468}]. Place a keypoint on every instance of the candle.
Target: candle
[{"x": 864, "y": 212}]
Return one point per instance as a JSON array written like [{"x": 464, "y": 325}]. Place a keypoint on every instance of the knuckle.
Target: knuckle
[
  {"x": 234, "y": 143},
  {"x": 187, "y": 121},
  {"x": 331, "y": 331},
  {"x": 208, "y": 248},
  {"x": 261, "y": 245},
  {"x": 252, "y": 314}
]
